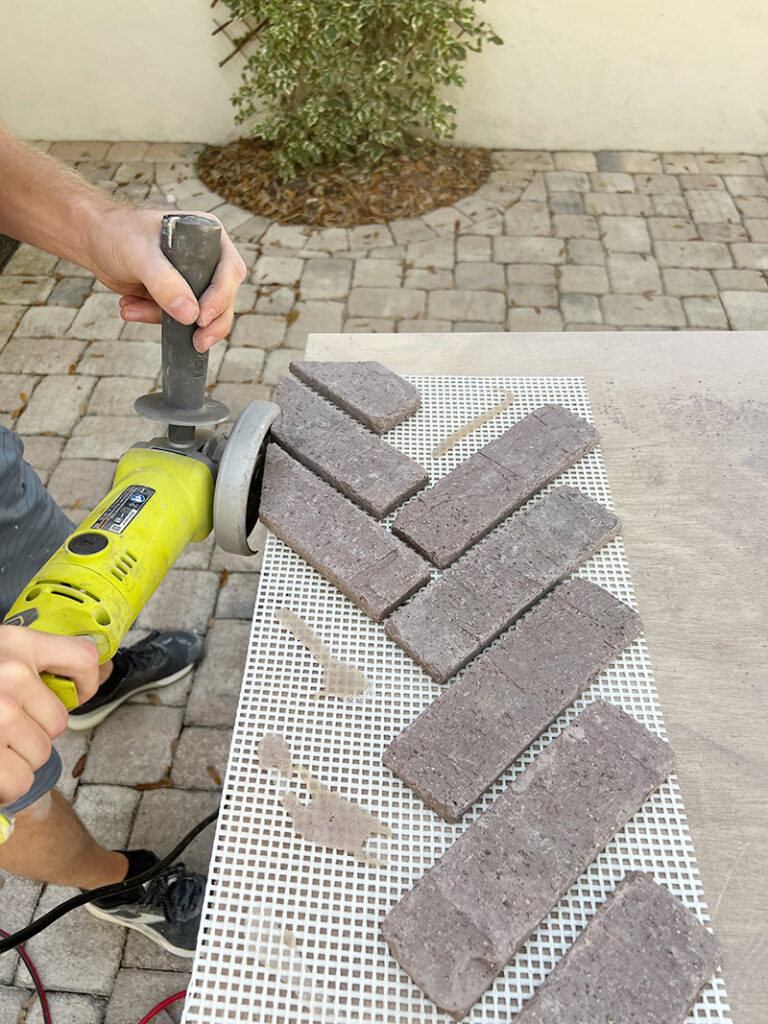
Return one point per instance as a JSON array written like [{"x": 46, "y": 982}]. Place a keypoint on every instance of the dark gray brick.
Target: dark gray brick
[
  {"x": 464, "y": 920},
  {"x": 368, "y": 391},
  {"x": 374, "y": 569},
  {"x": 358, "y": 463},
  {"x": 463, "y": 741},
  {"x": 499, "y": 580},
  {"x": 642, "y": 931},
  {"x": 465, "y": 505}
]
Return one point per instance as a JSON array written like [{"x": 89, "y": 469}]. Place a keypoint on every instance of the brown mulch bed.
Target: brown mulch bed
[{"x": 347, "y": 195}]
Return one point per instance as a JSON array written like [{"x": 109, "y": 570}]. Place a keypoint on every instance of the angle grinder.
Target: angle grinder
[{"x": 166, "y": 493}]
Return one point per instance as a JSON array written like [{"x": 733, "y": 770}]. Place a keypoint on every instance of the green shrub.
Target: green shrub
[{"x": 337, "y": 80}]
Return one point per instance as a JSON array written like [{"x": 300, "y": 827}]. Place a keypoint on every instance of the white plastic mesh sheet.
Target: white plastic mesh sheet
[{"x": 291, "y": 929}]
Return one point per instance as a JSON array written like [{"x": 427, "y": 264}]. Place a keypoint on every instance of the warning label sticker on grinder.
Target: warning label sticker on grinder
[{"x": 124, "y": 509}]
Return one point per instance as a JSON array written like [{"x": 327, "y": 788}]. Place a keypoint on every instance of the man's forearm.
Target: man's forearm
[{"x": 46, "y": 204}]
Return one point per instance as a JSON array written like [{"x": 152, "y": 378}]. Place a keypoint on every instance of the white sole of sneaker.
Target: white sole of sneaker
[
  {"x": 79, "y": 723},
  {"x": 144, "y": 929}
]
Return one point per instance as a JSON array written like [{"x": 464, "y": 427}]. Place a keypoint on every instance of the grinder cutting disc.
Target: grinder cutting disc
[{"x": 238, "y": 481}]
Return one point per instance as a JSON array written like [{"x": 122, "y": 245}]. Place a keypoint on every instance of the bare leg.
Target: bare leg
[{"x": 50, "y": 844}]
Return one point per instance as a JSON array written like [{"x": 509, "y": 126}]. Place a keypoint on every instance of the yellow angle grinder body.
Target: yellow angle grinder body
[{"x": 166, "y": 494}]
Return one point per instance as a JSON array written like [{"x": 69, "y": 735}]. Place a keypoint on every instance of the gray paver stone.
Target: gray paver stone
[
  {"x": 107, "y": 812},
  {"x": 278, "y": 300},
  {"x": 750, "y": 255},
  {"x": 631, "y": 162},
  {"x": 236, "y": 396},
  {"x": 574, "y": 161},
  {"x": 680, "y": 163},
  {"x": 583, "y": 309},
  {"x": 57, "y": 404},
  {"x": 70, "y": 291},
  {"x": 488, "y": 276},
  {"x": 141, "y": 332},
  {"x": 532, "y": 295},
  {"x": 565, "y": 225},
  {"x": 326, "y": 279},
  {"x": 633, "y": 273},
  {"x": 29, "y": 261},
  {"x": 530, "y": 273},
  {"x": 133, "y": 745},
  {"x": 99, "y": 945},
  {"x": 386, "y": 302},
  {"x": 369, "y": 236},
  {"x": 477, "y": 327},
  {"x": 377, "y": 274},
  {"x": 585, "y": 252},
  {"x": 216, "y": 689},
  {"x": 583, "y": 279},
  {"x": 70, "y": 1008},
  {"x": 369, "y": 325},
  {"x": 758, "y": 230},
  {"x": 747, "y": 311},
  {"x": 115, "y": 396},
  {"x": 696, "y": 255},
  {"x": 657, "y": 184},
  {"x": 617, "y": 204},
  {"x": 535, "y": 319},
  {"x": 314, "y": 318},
  {"x": 277, "y": 270},
  {"x": 278, "y": 363},
  {"x": 566, "y": 181},
  {"x": 242, "y": 365},
  {"x": 287, "y": 236},
  {"x": 136, "y": 992},
  {"x": 39, "y": 355},
  {"x": 98, "y": 319},
  {"x": 258, "y": 331},
  {"x": 512, "y": 249},
  {"x": 12, "y": 999},
  {"x": 730, "y": 163},
  {"x": 473, "y": 249},
  {"x": 488, "y": 227},
  {"x": 723, "y": 232},
  {"x": 740, "y": 185},
  {"x": 166, "y": 815},
  {"x": 184, "y": 600},
  {"x": 9, "y": 321},
  {"x": 669, "y": 206},
  {"x": 237, "y": 596},
  {"x": 446, "y": 221},
  {"x": 119, "y": 359},
  {"x": 752, "y": 206},
  {"x": 428, "y": 280},
  {"x": 711, "y": 207},
  {"x": 424, "y": 326},
  {"x": 705, "y": 312},
  {"x": 42, "y": 453},
  {"x": 328, "y": 240},
  {"x": 522, "y": 160},
  {"x": 567, "y": 202},
  {"x": 73, "y": 152},
  {"x": 642, "y": 311},
  {"x": 201, "y": 758},
  {"x": 672, "y": 229},
  {"x": 466, "y": 305},
  {"x": 690, "y": 282},
  {"x": 625, "y": 234},
  {"x": 245, "y": 299},
  {"x": 438, "y": 253},
  {"x": 527, "y": 219},
  {"x": 387, "y": 252},
  {"x": 611, "y": 182},
  {"x": 20, "y": 896},
  {"x": 700, "y": 182},
  {"x": 15, "y": 390},
  {"x": 196, "y": 555},
  {"x": 412, "y": 229},
  {"x": 24, "y": 291},
  {"x": 741, "y": 280},
  {"x": 83, "y": 481},
  {"x": 122, "y": 151},
  {"x": 108, "y": 436}
]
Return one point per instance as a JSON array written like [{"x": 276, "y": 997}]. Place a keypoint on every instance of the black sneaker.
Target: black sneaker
[
  {"x": 166, "y": 909},
  {"x": 159, "y": 659}
]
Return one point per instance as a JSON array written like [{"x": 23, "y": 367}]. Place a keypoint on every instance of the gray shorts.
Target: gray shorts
[{"x": 32, "y": 527}]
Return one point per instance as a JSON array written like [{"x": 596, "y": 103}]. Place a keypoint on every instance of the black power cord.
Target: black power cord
[{"x": 127, "y": 885}]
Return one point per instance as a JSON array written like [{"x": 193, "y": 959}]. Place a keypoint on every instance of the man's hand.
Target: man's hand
[
  {"x": 126, "y": 257},
  {"x": 30, "y": 715}
]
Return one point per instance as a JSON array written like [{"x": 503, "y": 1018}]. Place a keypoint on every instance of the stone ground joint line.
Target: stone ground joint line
[{"x": 265, "y": 881}]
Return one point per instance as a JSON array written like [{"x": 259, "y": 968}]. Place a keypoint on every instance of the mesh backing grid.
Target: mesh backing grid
[{"x": 291, "y": 929}]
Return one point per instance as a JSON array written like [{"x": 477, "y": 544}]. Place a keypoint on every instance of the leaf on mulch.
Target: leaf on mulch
[{"x": 347, "y": 195}]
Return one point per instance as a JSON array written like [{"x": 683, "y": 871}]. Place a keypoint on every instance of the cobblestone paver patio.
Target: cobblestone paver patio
[{"x": 554, "y": 241}]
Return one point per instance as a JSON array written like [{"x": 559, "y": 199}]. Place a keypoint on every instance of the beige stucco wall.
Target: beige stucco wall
[{"x": 573, "y": 74}]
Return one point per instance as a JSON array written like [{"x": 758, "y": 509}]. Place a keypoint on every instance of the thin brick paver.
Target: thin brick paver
[{"x": 681, "y": 242}]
